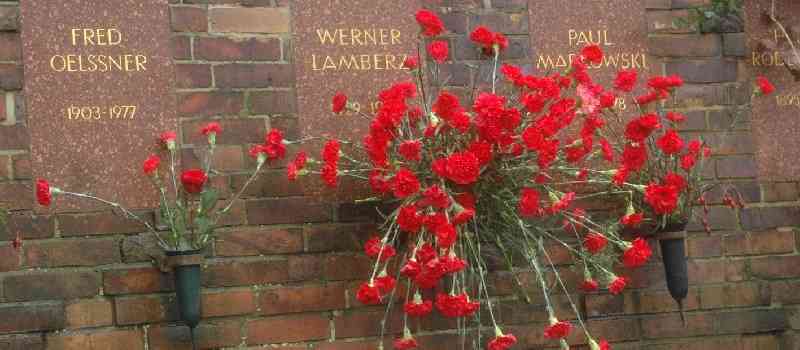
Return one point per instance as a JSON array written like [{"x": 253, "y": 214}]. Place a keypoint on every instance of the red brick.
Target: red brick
[
  {"x": 10, "y": 47},
  {"x": 204, "y": 104},
  {"x": 51, "y": 286},
  {"x": 245, "y": 273},
  {"x": 785, "y": 292},
  {"x": 136, "y": 280},
  {"x": 249, "y": 20},
  {"x": 273, "y": 103},
  {"x": 22, "y": 167},
  {"x": 765, "y": 342},
  {"x": 670, "y": 326},
  {"x": 78, "y": 252},
  {"x": 28, "y": 226},
  {"x": 237, "y": 49},
  {"x": 12, "y": 76},
  {"x": 10, "y": 258},
  {"x": 145, "y": 309},
  {"x": 760, "y": 243},
  {"x": 248, "y": 241},
  {"x": 228, "y": 303},
  {"x": 5, "y": 162},
  {"x": 780, "y": 191},
  {"x": 226, "y": 158},
  {"x": 776, "y": 267},
  {"x": 97, "y": 340},
  {"x": 704, "y": 246},
  {"x": 88, "y": 313},
  {"x": 734, "y": 295},
  {"x": 9, "y": 18},
  {"x": 244, "y": 75},
  {"x": 288, "y": 329},
  {"x": 181, "y": 47},
  {"x": 271, "y": 183},
  {"x": 22, "y": 342},
  {"x": 304, "y": 298},
  {"x": 365, "y": 323},
  {"x": 751, "y": 321},
  {"x": 338, "y": 238},
  {"x": 99, "y": 223},
  {"x": 615, "y": 329},
  {"x": 306, "y": 267},
  {"x": 358, "y": 267},
  {"x": 29, "y": 318},
  {"x": 192, "y": 76},
  {"x": 17, "y": 195},
  {"x": 189, "y": 19},
  {"x": 706, "y": 271},
  {"x": 211, "y": 335},
  {"x": 234, "y": 131},
  {"x": 361, "y": 345},
  {"x": 286, "y": 211},
  {"x": 707, "y": 45}
]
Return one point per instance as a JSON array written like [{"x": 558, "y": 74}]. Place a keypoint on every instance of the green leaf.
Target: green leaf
[
  {"x": 204, "y": 226},
  {"x": 208, "y": 200}
]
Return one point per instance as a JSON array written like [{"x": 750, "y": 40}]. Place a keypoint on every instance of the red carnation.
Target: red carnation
[
  {"x": 330, "y": 153},
  {"x": 411, "y": 269},
  {"x": 418, "y": 308},
  {"x": 595, "y": 242},
  {"x": 385, "y": 283},
  {"x": 608, "y": 151},
  {"x": 405, "y": 183},
  {"x": 463, "y": 168},
  {"x": 339, "y": 103},
  {"x": 640, "y": 128},
  {"x": 502, "y": 342},
  {"x": 411, "y": 63},
  {"x": 557, "y": 330},
  {"x": 405, "y": 343},
  {"x": 151, "y": 164},
  {"x": 671, "y": 143},
  {"x": 637, "y": 254},
  {"x": 431, "y": 23},
  {"x": 193, "y": 180},
  {"x": 410, "y": 150},
  {"x": 688, "y": 161},
  {"x": 330, "y": 174},
  {"x": 211, "y": 128},
  {"x": 626, "y": 80},
  {"x": 634, "y": 156},
  {"x": 446, "y": 235},
  {"x": 482, "y": 36},
  {"x": 765, "y": 86},
  {"x": 409, "y": 219},
  {"x": 590, "y": 285},
  {"x": 529, "y": 203},
  {"x": 439, "y": 50},
  {"x": 43, "y": 193},
  {"x": 675, "y": 180},
  {"x": 368, "y": 294},
  {"x": 436, "y": 197},
  {"x": 592, "y": 53},
  {"x": 632, "y": 220},
  {"x": 675, "y": 117},
  {"x": 167, "y": 138},
  {"x": 662, "y": 198},
  {"x": 374, "y": 247},
  {"x": 617, "y": 285}
]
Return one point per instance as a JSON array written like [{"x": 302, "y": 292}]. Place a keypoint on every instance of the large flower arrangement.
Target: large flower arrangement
[{"x": 507, "y": 172}]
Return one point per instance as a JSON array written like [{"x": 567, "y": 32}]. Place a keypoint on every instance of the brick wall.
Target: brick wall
[{"x": 277, "y": 274}]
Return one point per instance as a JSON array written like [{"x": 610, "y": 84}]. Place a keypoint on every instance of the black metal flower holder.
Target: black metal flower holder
[
  {"x": 672, "y": 240},
  {"x": 187, "y": 271}
]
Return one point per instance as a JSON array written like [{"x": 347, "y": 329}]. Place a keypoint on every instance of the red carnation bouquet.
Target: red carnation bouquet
[
  {"x": 505, "y": 169},
  {"x": 189, "y": 204}
]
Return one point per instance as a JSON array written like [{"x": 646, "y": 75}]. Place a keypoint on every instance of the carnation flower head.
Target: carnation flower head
[
  {"x": 640, "y": 128},
  {"x": 405, "y": 343},
  {"x": 446, "y": 235},
  {"x": 151, "y": 164},
  {"x": 409, "y": 219},
  {"x": 463, "y": 168},
  {"x": 634, "y": 156},
  {"x": 557, "y": 329},
  {"x": 502, "y": 342},
  {"x": 193, "y": 180},
  {"x": 339, "y": 103},
  {"x": 410, "y": 150},
  {"x": 529, "y": 203},
  {"x": 368, "y": 294},
  {"x": 617, "y": 285},
  {"x": 375, "y": 247},
  {"x": 765, "y": 87},
  {"x": 410, "y": 63},
  {"x": 429, "y": 22},
  {"x": 167, "y": 139},
  {"x": 662, "y": 198},
  {"x": 436, "y": 197},
  {"x": 418, "y": 307},
  {"x": 592, "y": 53},
  {"x": 405, "y": 183},
  {"x": 44, "y": 193},
  {"x": 636, "y": 254},
  {"x": 385, "y": 283},
  {"x": 330, "y": 175},
  {"x": 595, "y": 242},
  {"x": 589, "y": 285},
  {"x": 211, "y": 128},
  {"x": 439, "y": 50},
  {"x": 670, "y": 143},
  {"x": 632, "y": 220},
  {"x": 626, "y": 80}
]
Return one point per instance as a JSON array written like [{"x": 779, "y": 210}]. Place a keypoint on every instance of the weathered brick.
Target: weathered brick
[
  {"x": 760, "y": 243},
  {"x": 234, "y": 131},
  {"x": 286, "y": 211},
  {"x": 668, "y": 21},
  {"x": 22, "y": 342},
  {"x": 733, "y": 295},
  {"x": 9, "y": 18},
  {"x": 181, "y": 47},
  {"x": 515, "y": 23},
  {"x": 145, "y": 309},
  {"x": 780, "y": 191},
  {"x": 245, "y": 273},
  {"x": 249, "y": 20},
  {"x": 670, "y": 326},
  {"x": 248, "y": 75},
  {"x": 776, "y": 267},
  {"x": 99, "y": 223},
  {"x": 259, "y": 241},
  {"x": 208, "y": 335},
  {"x": 304, "y": 298},
  {"x": 16, "y": 195},
  {"x": 270, "y": 183},
  {"x": 706, "y": 71},
  {"x": 751, "y": 321},
  {"x": 192, "y": 76},
  {"x": 736, "y": 167},
  {"x": 769, "y": 217},
  {"x": 189, "y": 19},
  {"x": 12, "y": 76},
  {"x": 237, "y": 49},
  {"x": 28, "y": 226},
  {"x": 326, "y": 238},
  {"x": 136, "y": 280},
  {"x": 365, "y": 322},
  {"x": 704, "y": 247},
  {"x": 274, "y": 103},
  {"x": 29, "y": 318},
  {"x": 228, "y": 303},
  {"x": 51, "y": 286},
  {"x": 735, "y": 44},
  {"x": 79, "y": 252},
  {"x": 685, "y": 45},
  {"x": 10, "y": 47},
  {"x": 88, "y": 313},
  {"x": 205, "y": 104},
  {"x": 97, "y": 340},
  {"x": 22, "y": 167},
  {"x": 293, "y": 329}
]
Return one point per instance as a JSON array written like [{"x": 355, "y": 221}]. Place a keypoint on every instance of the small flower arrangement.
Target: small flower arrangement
[
  {"x": 188, "y": 203},
  {"x": 509, "y": 171}
]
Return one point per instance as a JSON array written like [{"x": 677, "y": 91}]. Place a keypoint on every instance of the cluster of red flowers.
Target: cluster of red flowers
[{"x": 488, "y": 40}]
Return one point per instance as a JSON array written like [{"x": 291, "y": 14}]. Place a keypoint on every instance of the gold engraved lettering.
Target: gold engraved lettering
[
  {"x": 788, "y": 100},
  {"x": 583, "y": 38}
]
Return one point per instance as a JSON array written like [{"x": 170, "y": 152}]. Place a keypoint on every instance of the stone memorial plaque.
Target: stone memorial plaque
[
  {"x": 99, "y": 89},
  {"x": 776, "y": 118},
  {"x": 356, "y": 47},
  {"x": 618, "y": 27},
  {"x": 352, "y": 46}
]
